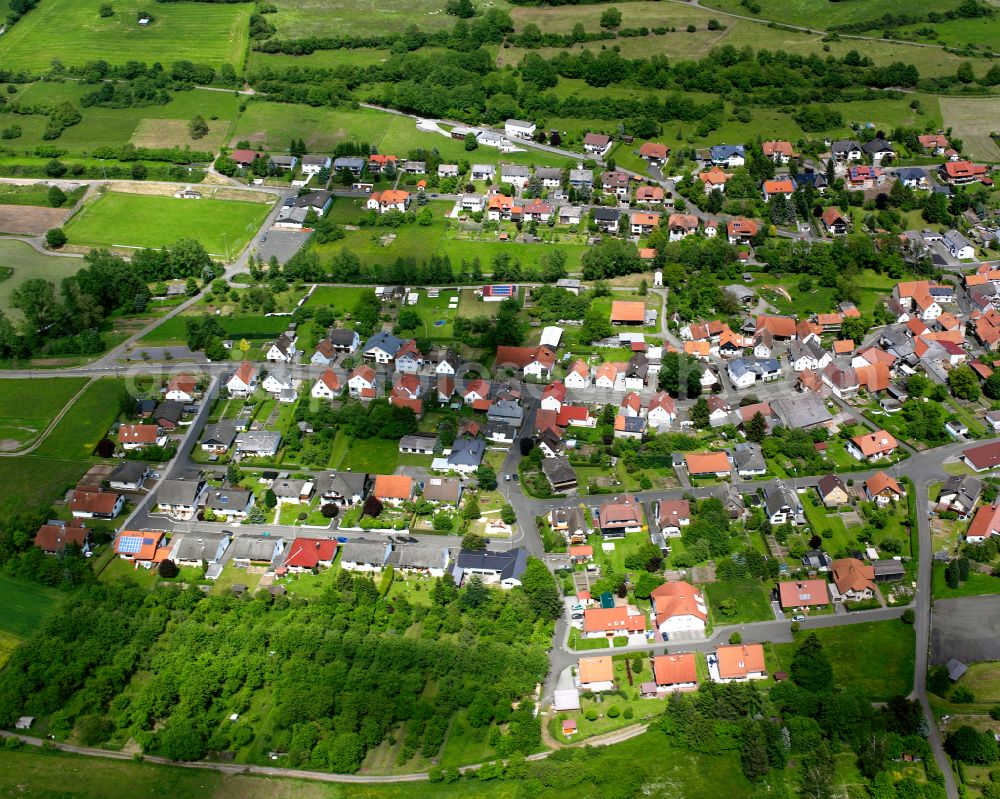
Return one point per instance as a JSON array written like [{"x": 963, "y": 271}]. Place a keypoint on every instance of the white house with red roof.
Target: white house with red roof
[
  {"x": 181, "y": 388},
  {"x": 679, "y": 611},
  {"x": 363, "y": 382},
  {"x": 327, "y": 387},
  {"x": 553, "y": 396},
  {"x": 661, "y": 411},
  {"x": 306, "y": 554},
  {"x": 578, "y": 375},
  {"x": 243, "y": 381}
]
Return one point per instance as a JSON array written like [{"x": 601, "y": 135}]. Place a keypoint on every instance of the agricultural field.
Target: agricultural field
[
  {"x": 973, "y": 119},
  {"x": 74, "y": 33},
  {"x": 302, "y": 18},
  {"x": 26, "y": 263},
  {"x": 137, "y": 220},
  {"x": 150, "y": 126},
  {"x": 25, "y": 606},
  {"x": 36, "y": 194},
  {"x": 21, "y": 422},
  {"x": 874, "y": 657},
  {"x": 821, "y": 13},
  {"x": 86, "y": 422}
]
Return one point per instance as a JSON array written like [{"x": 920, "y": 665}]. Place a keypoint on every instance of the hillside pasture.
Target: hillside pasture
[
  {"x": 74, "y": 32},
  {"x": 118, "y": 219},
  {"x": 973, "y": 119}
]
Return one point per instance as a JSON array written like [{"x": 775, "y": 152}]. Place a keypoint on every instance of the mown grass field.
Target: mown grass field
[
  {"x": 138, "y": 220},
  {"x": 298, "y": 18},
  {"x": 875, "y": 657},
  {"x": 27, "y": 407},
  {"x": 86, "y": 422},
  {"x": 25, "y": 605},
  {"x": 752, "y": 602},
  {"x": 978, "y": 584},
  {"x": 973, "y": 119},
  {"x": 75, "y": 33},
  {"x": 36, "y": 194},
  {"x": 821, "y": 14},
  {"x": 28, "y": 263}
]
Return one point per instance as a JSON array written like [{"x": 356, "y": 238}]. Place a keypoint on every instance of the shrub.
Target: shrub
[
  {"x": 591, "y": 714},
  {"x": 614, "y": 712},
  {"x": 628, "y": 712},
  {"x": 168, "y": 569},
  {"x": 736, "y": 638}
]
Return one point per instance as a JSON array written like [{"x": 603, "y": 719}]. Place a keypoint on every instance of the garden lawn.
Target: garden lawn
[
  {"x": 27, "y": 407},
  {"x": 977, "y": 584},
  {"x": 372, "y": 455},
  {"x": 28, "y": 263},
  {"x": 138, "y": 220},
  {"x": 752, "y": 602},
  {"x": 341, "y": 299},
  {"x": 875, "y": 657},
  {"x": 74, "y": 33},
  {"x": 615, "y": 559}
]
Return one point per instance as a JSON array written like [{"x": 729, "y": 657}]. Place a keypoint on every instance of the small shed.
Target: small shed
[
  {"x": 956, "y": 669},
  {"x": 24, "y": 723}
]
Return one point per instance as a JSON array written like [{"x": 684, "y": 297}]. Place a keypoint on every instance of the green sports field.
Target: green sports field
[
  {"x": 140, "y": 220},
  {"x": 74, "y": 33}
]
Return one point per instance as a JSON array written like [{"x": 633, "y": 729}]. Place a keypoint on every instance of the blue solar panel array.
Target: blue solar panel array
[
  {"x": 504, "y": 290},
  {"x": 132, "y": 544}
]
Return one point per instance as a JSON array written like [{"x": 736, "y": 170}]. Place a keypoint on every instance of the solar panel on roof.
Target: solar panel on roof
[
  {"x": 147, "y": 542},
  {"x": 129, "y": 545}
]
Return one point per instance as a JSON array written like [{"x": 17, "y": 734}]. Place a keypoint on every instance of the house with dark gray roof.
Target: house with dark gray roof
[
  {"x": 466, "y": 455},
  {"x": 179, "y": 498},
  {"x": 427, "y": 559},
  {"x": 443, "y": 490},
  {"x": 232, "y": 503},
  {"x": 248, "y": 549},
  {"x": 360, "y": 556},
  {"x": 219, "y": 437},
  {"x": 494, "y": 568},
  {"x": 258, "y": 443},
  {"x": 559, "y": 473},
  {"x": 803, "y": 411},
  {"x": 129, "y": 475},
  {"x": 749, "y": 459},
  {"x": 782, "y": 505},
  {"x": 193, "y": 549},
  {"x": 342, "y": 488}
]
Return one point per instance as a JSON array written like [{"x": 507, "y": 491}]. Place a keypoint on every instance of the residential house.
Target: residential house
[
  {"x": 780, "y": 152},
  {"x": 661, "y": 412},
  {"x": 551, "y": 177},
  {"x": 572, "y": 522},
  {"x": 243, "y": 381},
  {"x": 388, "y": 200},
  {"x": 642, "y": 223},
  {"x": 629, "y": 427},
  {"x": 872, "y": 446},
  {"x": 281, "y": 384},
  {"x": 578, "y": 375},
  {"x": 314, "y": 164},
  {"x": 430, "y": 560},
  {"x": 854, "y": 579},
  {"x": 217, "y": 438},
  {"x": 258, "y": 443},
  {"x": 393, "y": 489},
  {"x": 675, "y": 672},
  {"x": 341, "y": 488},
  {"x": 959, "y": 246},
  {"x": 879, "y": 150},
  {"x": 484, "y": 172},
  {"x": 843, "y": 382},
  {"x": 553, "y": 396},
  {"x": 596, "y": 674},
  {"x": 560, "y": 474},
  {"x": 707, "y": 464},
  {"x": 782, "y": 505},
  {"x": 581, "y": 178},
  {"x": 536, "y": 362},
  {"x": 985, "y": 524},
  {"x": 714, "y": 179},
  {"x": 445, "y": 171},
  {"x": 327, "y": 386},
  {"x": 783, "y": 186},
  {"x": 503, "y": 569},
  {"x": 653, "y": 152},
  {"x": 179, "y": 497},
  {"x": 537, "y": 211},
  {"x": 833, "y": 491},
  {"x": 728, "y": 155},
  {"x": 309, "y": 554},
  {"x": 962, "y": 173},
  {"x": 356, "y": 556},
  {"x": 356, "y": 165},
  {"x": 835, "y": 222},
  {"x": 142, "y": 548},
  {"x": 466, "y": 455},
  {"x": 409, "y": 359},
  {"x": 345, "y": 341},
  {"x": 741, "y": 231},
  {"x": 672, "y": 515},
  {"x": 181, "y": 388},
  {"x": 139, "y": 436},
  {"x": 606, "y": 219},
  {"x": 195, "y": 549},
  {"x": 982, "y": 458},
  {"x": 476, "y": 391},
  {"x": 882, "y": 489},
  {"x": 738, "y": 663},
  {"x": 96, "y": 504},
  {"x": 515, "y": 175},
  {"x": 679, "y": 611},
  {"x": 934, "y": 143},
  {"x": 232, "y": 503},
  {"x": 800, "y": 594},
  {"x": 617, "y": 517},
  {"x": 293, "y": 491},
  {"x": 650, "y": 195},
  {"x": 611, "y": 622},
  {"x": 616, "y": 183},
  {"x": 571, "y": 215},
  {"x": 748, "y": 459},
  {"x": 443, "y": 491},
  {"x": 681, "y": 226},
  {"x": 129, "y": 475},
  {"x": 248, "y": 550},
  {"x": 960, "y": 493},
  {"x": 846, "y": 150},
  {"x": 362, "y": 382},
  {"x": 628, "y": 312},
  {"x": 168, "y": 414},
  {"x": 53, "y": 536},
  {"x": 912, "y": 177},
  {"x": 596, "y": 144}
]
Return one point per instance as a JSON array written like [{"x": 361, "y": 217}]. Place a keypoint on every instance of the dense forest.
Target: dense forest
[{"x": 323, "y": 681}]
